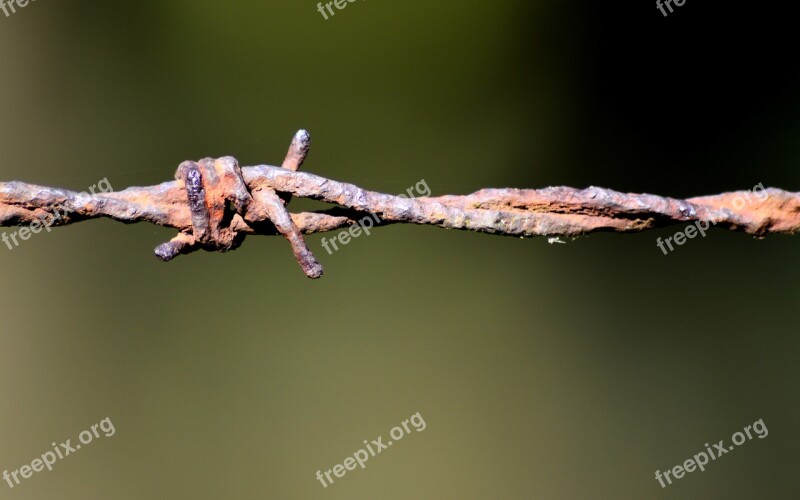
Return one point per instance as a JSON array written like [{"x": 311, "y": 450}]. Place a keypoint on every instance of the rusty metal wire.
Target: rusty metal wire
[{"x": 215, "y": 204}]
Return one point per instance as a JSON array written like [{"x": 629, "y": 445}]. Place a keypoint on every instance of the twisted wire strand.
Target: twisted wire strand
[{"x": 552, "y": 211}]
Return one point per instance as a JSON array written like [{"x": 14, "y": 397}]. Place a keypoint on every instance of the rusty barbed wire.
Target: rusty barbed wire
[{"x": 215, "y": 204}]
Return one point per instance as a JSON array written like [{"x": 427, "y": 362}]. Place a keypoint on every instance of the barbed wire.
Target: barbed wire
[{"x": 215, "y": 204}]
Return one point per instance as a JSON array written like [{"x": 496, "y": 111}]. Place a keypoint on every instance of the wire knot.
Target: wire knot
[{"x": 222, "y": 206}]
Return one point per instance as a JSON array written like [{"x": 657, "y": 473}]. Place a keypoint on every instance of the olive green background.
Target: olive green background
[{"x": 541, "y": 371}]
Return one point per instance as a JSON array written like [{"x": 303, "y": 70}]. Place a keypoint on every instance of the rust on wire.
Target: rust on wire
[{"x": 215, "y": 204}]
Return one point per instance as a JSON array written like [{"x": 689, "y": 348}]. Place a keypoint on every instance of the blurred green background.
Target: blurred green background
[{"x": 542, "y": 371}]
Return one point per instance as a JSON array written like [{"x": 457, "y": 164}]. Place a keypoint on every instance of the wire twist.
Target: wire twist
[{"x": 215, "y": 204}]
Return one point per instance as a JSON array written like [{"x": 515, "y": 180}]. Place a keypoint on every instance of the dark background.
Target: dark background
[{"x": 542, "y": 371}]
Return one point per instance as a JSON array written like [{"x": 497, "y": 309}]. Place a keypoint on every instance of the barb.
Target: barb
[{"x": 215, "y": 204}]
